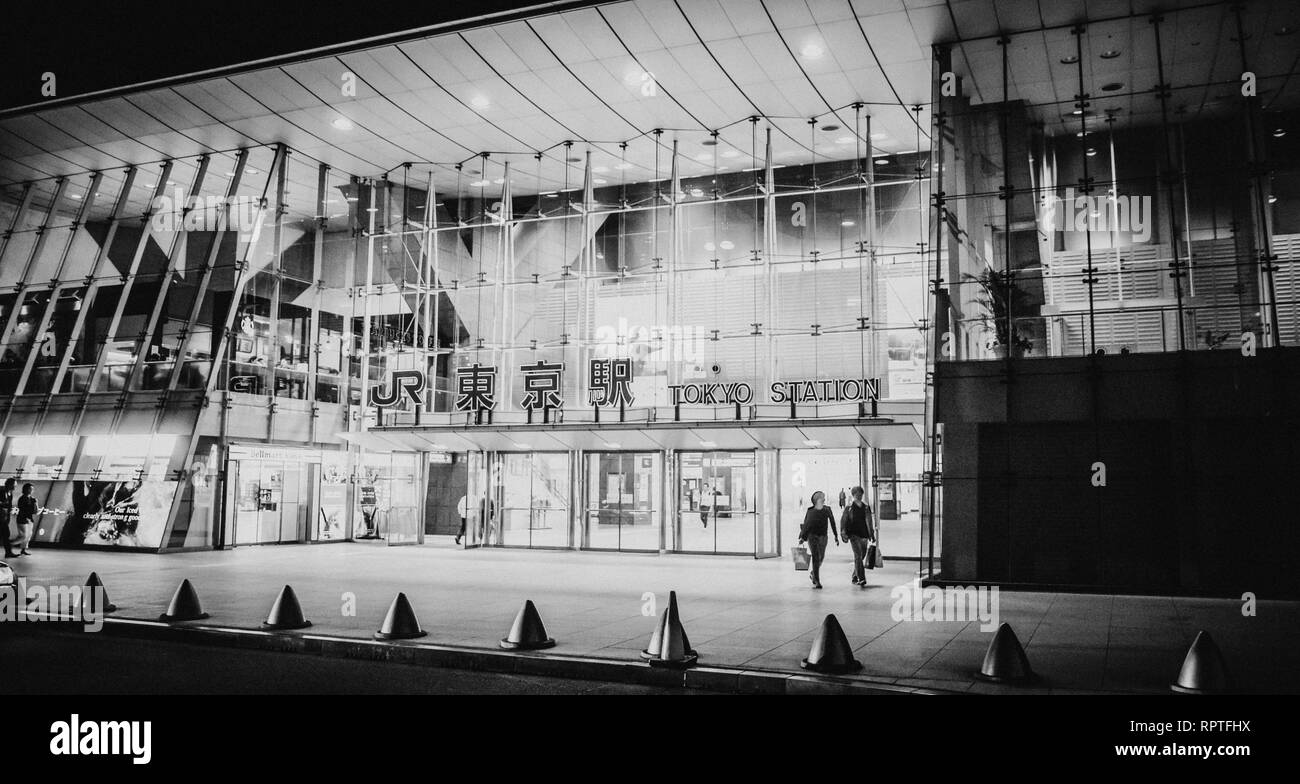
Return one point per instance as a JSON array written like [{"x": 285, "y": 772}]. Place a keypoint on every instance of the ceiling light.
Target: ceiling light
[
  {"x": 1110, "y": 54},
  {"x": 1070, "y": 59},
  {"x": 550, "y": 194},
  {"x": 611, "y": 445},
  {"x": 882, "y": 161},
  {"x": 879, "y": 136},
  {"x": 480, "y": 101},
  {"x": 478, "y": 183},
  {"x": 1279, "y": 133},
  {"x": 1091, "y": 151},
  {"x": 697, "y": 192},
  {"x": 728, "y": 245},
  {"x": 812, "y": 50},
  {"x": 75, "y": 195},
  {"x": 731, "y": 154},
  {"x": 574, "y": 159},
  {"x": 251, "y": 170},
  {"x": 499, "y": 180},
  {"x": 342, "y": 123},
  {"x": 599, "y": 181},
  {"x": 1111, "y": 87},
  {"x": 709, "y": 444},
  {"x": 846, "y": 222},
  {"x": 812, "y": 442},
  {"x": 520, "y": 445},
  {"x": 830, "y": 128},
  {"x": 1272, "y": 199},
  {"x": 600, "y": 169},
  {"x": 710, "y": 142},
  {"x": 622, "y": 166},
  {"x": 847, "y": 139}
]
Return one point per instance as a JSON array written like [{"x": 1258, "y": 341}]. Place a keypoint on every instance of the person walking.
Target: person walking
[
  {"x": 858, "y": 527},
  {"x": 27, "y": 509},
  {"x": 813, "y": 531}
]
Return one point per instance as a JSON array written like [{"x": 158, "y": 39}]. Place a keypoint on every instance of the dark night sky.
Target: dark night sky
[{"x": 96, "y": 46}]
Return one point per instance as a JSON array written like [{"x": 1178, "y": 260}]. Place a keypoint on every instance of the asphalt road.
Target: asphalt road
[{"x": 37, "y": 660}]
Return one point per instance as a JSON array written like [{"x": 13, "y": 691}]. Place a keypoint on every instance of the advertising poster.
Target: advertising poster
[{"x": 127, "y": 513}]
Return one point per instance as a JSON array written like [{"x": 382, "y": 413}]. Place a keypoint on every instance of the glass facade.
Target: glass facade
[{"x": 1105, "y": 194}]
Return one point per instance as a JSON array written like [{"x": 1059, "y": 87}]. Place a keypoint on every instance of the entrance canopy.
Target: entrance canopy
[{"x": 646, "y": 436}]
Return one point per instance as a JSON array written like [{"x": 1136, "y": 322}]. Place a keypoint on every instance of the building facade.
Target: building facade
[{"x": 643, "y": 278}]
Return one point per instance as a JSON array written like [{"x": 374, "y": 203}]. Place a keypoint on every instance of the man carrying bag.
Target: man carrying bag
[{"x": 859, "y": 529}]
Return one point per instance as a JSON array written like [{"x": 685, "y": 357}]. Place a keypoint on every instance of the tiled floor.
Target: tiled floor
[{"x": 738, "y": 612}]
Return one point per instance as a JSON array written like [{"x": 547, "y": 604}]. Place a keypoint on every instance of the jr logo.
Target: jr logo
[{"x": 409, "y": 383}]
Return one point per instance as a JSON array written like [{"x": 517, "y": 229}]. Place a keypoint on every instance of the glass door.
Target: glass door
[
  {"x": 621, "y": 498},
  {"x": 717, "y": 502}
]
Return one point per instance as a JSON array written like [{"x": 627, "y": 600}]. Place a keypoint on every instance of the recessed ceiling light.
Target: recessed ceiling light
[
  {"x": 1091, "y": 151},
  {"x": 830, "y": 128},
  {"x": 882, "y": 161},
  {"x": 844, "y": 140},
  {"x": 847, "y": 222},
  {"x": 480, "y": 102},
  {"x": 611, "y": 445},
  {"x": 342, "y": 123},
  {"x": 1070, "y": 59},
  {"x": 251, "y": 170},
  {"x": 478, "y": 183},
  {"x": 75, "y": 195},
  {"x": 1110, "y": 54},
  {"x": 697, "y": 192},
  {"x": 520, "y": 445},
  {"x": 1272, "y": 199},
  {"x": 710, "y": 142},
  {"x": 1278, "y": 133},
  {"x": 709, "y": 444},
  {"x": 812, "y": 442},
  {"x": 599, "y": 181},
  {"x": 812, "y": 50},
  {"x": 728, "y": 245}
]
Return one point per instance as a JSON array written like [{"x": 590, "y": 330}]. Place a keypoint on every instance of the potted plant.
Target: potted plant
[{"x": 999, "y": 297}]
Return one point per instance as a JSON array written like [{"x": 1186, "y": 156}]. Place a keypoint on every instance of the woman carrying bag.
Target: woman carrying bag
[
  {"x": 813, "y": 531},
  {"x": 859, "y": 529}
]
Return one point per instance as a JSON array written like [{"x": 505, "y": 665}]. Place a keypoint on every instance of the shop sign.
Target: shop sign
[
  {"x": 826, "y": 390},
  {"x": 711, "y": 393}
]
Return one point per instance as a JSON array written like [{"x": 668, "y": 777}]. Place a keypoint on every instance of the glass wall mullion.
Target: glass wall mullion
[
  {"x": 94, "y": 283},
  {"x": 128, "y": 282},
  {"x": 277, "y": 283},
  {"x": 29, "y": 191},
  {"x": 172, "y": 269},
  {"x": 317, "y": 282},
  {"x": 209, "y": 263}
]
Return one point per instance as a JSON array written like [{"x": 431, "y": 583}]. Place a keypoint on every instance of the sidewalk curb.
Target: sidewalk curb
[{"x": 733, "y": 680}]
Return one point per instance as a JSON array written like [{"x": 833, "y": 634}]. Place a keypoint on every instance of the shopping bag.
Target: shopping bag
[
  {"x": 801, "y": 557},
  {"x": 874, "y": 558}
]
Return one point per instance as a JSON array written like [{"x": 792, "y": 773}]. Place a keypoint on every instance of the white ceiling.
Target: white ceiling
[{"x": 524, "y": 87}]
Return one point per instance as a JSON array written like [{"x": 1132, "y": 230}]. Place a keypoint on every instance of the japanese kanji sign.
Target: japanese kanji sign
[
  {"x": 542, "y": 386},
  {"x": 476, "y": 388},
  {"x": 609, "y": 382}
]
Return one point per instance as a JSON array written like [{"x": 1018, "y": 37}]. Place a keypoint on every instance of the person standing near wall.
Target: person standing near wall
[
  {"x": 27, "y": 510},
  {"x": 6, "y": 512}
]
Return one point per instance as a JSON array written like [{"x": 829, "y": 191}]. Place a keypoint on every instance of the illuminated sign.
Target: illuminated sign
[
  {"x": 826, "y": 390},
  {"x": 403, "y": 383},
  {"x": 711, "y": 393}
]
